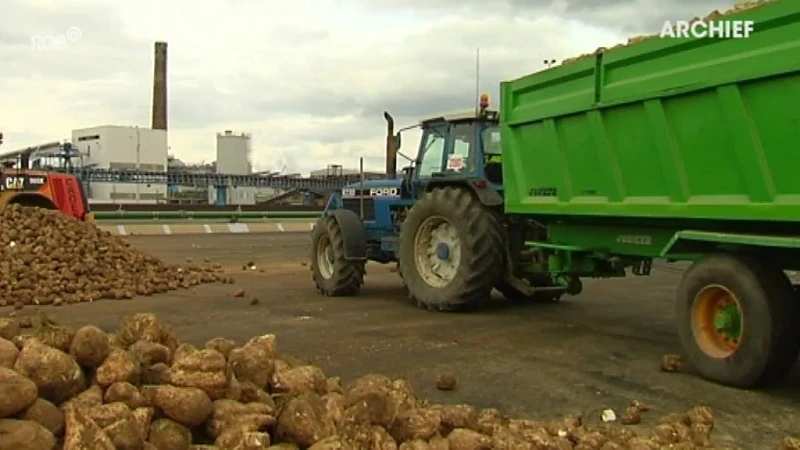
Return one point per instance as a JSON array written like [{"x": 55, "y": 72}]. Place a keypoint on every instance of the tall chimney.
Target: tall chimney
[{"x": 160, "y": 87}]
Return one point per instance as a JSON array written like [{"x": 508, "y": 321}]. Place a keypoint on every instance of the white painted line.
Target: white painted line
[
  {"x": 280, "y": 227},
  {"x": 238, "y": 228},
  {"x": 166, "y": 228},
  {"x": 121, "y": 230},
  {"x": 207, "y": 227}
]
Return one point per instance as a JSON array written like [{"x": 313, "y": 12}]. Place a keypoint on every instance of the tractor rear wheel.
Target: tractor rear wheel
[
  {"x": 450, "y": 250},
  {"x": 333, "y": 274},
  {"x": 738, "y": 320}
]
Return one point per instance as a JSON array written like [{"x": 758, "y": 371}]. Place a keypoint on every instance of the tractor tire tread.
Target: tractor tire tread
[{"x": 784, "y": 355}]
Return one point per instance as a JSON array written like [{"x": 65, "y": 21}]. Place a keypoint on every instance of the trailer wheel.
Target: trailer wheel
[
  {"x": 333, "y": 275},
  {"x": 450, "y": 250},
  {"x": 738, "y": 321}
]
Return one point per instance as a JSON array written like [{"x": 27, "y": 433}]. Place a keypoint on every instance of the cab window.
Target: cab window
[
  {"x": 463, "y": 150},
  {"x": 490, "y": 137},
  {"x": 432, "y": 151}
]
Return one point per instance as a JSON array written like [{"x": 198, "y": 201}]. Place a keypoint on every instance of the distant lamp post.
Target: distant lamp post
[{"x": 549, "y": 62}]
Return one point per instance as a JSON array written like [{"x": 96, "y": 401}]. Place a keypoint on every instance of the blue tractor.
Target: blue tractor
[{"x": 441, "y": 222}]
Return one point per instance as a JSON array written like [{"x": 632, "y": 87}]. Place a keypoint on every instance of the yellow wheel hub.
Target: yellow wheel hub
[{"x": 717, "y": 321}]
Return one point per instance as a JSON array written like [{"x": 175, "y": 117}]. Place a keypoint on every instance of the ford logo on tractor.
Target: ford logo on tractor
[{"x": 384, "y": 192}]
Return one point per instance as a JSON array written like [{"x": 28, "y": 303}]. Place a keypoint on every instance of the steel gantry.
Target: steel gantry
[{"x": 180, "y": 178}]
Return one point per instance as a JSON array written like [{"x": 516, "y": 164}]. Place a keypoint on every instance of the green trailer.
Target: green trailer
[{"x": 676, "y": 149}]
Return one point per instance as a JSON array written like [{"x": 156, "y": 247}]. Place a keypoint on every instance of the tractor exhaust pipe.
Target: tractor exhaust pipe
[
  {"x": 391, "y": 147},
  {"x": 361, "y": 187}
]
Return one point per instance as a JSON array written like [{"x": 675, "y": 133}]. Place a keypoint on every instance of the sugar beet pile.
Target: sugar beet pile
[{"x": 47, "y": 258}]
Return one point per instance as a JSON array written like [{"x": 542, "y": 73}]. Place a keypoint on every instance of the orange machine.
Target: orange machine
[{"x": 50, "y": 190}]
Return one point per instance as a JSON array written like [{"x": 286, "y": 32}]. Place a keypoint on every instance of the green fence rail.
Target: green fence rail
[{"x": 212, "y": 215}]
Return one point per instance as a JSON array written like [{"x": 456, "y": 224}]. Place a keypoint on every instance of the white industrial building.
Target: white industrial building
[
  {"x": 234, "y": 153},
  {"x": 234, "y": 157},
  {"x": 123, "y": 147},
  {"x": 113, "y": 147}
]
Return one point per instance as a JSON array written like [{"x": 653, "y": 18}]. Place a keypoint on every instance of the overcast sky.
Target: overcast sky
[{"x": 308, "y": 78}]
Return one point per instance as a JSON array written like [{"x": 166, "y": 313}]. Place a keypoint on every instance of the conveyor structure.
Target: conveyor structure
[
  {"x": 68, "y": 157},
  {"x": 205, "y": 180}
]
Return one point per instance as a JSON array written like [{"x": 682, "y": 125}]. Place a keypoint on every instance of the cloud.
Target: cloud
[
  {"x": 620, "y": 15},
  {"x": 309, "y": 80}
]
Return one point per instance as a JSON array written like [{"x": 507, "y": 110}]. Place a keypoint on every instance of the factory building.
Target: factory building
[
  {"x": 235, "y": 157},
  {"x": 234, "y": 153},
  {"x": 123, "y": 147}
]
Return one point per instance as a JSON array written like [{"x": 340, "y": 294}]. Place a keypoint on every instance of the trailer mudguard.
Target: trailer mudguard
[
  {"x": 354, "y": 236},
  {"x": 696, "y": 241},
  {"x": 480, "y": 187}
]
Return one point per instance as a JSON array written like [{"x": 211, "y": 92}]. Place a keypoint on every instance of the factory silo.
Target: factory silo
[
  {"x": 234, "y": 157},
  {"x": 234, "y": 153}
]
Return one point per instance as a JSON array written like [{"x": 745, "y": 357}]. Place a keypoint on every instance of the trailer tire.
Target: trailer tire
[
  {"x": 769, "y": 339},
  {"x": 333, "y": 274},
  {"x": 479, "y": 243}
]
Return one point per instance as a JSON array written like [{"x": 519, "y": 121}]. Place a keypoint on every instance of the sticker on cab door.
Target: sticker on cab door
[{"x": 455, "y": 162}]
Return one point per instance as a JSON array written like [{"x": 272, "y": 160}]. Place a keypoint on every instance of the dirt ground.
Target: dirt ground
[{"x": 598, "y": 350}]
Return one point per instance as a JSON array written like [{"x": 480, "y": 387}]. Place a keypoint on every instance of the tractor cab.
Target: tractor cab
[{"x": 461, "y": 146}]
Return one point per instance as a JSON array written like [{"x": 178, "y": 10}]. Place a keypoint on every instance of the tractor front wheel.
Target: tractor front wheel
[
  {"x": 738, "y": 320},
  {"x": 450, "y": 250},
  {"x": 333, "y": 274}
]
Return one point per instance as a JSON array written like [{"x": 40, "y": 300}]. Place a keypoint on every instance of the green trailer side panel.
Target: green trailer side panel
[{"x": 702, "y": 128}]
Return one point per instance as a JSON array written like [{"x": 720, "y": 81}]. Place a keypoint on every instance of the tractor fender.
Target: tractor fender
[
  {"x": 332, "y": 203},
  {"x": 482, "y": 190},
  {"x": 354, "y": 236}
]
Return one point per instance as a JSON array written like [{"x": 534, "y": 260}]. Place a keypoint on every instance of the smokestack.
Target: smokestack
[{"x": 160, "y": 87}]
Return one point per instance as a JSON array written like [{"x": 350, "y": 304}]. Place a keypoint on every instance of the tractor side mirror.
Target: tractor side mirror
[{"x": 398, "y": 141}]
